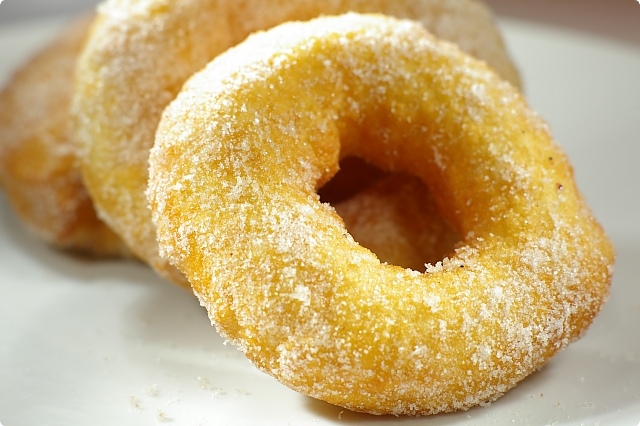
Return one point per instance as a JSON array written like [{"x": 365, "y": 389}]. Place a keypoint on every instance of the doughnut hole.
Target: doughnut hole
[{"x": 391, "y": 214}]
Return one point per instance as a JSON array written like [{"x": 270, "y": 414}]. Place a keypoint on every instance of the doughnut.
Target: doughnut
[
  {"x": 396, "y": 218},
  {"x": 141, "y": 52},
  {"x": 232, "y": 190},
  {"x": 39, "y": 170}
]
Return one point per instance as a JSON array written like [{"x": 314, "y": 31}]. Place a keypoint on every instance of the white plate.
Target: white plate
[{"x": 108, "y": 343}]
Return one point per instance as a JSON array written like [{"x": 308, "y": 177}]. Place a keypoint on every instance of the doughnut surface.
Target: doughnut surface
[
  {"x": 233, "y": 179},
  {"x": 38, "y": 167},
  {"x": 142, "y": 51}
]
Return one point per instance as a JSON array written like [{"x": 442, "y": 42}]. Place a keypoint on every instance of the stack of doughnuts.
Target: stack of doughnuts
[
  {"x": 372, "y": 214},
  {"x": 41, "y": 161}
]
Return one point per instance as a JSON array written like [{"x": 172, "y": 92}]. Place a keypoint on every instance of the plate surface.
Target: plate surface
[{"x": 106, "y": 343}]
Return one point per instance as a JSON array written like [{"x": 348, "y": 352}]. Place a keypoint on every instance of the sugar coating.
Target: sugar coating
[
  {"x": 141, "y": 52},
  {"x": 38, "y": 167},
  {"x": 241, "y": 151}
]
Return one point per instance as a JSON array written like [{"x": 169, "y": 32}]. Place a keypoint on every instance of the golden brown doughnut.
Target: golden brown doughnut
[
  {"x": 38, "y": 166},
  {"x": 141, "y": 52},
  {"x": 232, "y": 188}
]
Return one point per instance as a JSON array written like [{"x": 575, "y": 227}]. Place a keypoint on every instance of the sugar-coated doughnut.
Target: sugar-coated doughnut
[
  {"x": 232, "y": 189},
  {"x": 141, "y": 52},
  {"x": 38, "y": 166}
]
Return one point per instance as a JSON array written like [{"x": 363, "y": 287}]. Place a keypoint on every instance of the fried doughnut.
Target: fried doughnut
[
  {"x": 38, "y": 166},
  {"x": 232, "y": 184},
  {"x": 141, "y": 52},
  {"x": 396, "y": 218}
]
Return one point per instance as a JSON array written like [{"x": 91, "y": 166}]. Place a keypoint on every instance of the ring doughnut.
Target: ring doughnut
[
  {"x": 140, "y": 54},
  {"x": 38, "y": 167},
  {"x": 232, "y": 188}
]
